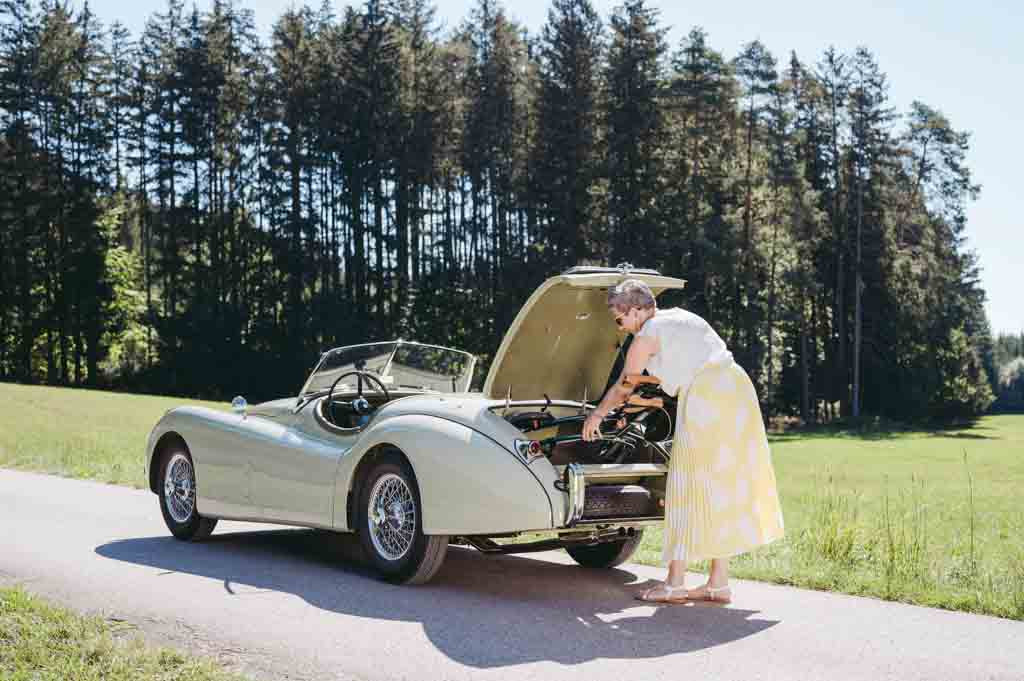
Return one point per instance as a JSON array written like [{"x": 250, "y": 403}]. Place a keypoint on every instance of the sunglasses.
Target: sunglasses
[{"x": 618, "y": 320}]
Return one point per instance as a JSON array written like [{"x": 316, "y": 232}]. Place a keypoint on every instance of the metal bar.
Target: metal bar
[
  {"x": 599, "y": 471},
  {"x": 576, "y": 487},
  {"x": 485, "y": 545},
  {"x": 621, "y": 522}
]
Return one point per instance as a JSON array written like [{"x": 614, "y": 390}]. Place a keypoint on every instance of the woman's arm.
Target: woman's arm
[{"x": 640, "y": 350}]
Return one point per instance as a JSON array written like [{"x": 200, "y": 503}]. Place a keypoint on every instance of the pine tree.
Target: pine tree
[
  {"x": 418, "y": 142},
  {"x": 492, "y": 157},
  {"x": 291, "y": 49},
  {"x": 810, "y": 236},
  {"x": 635, "y": 132},
  {"x": 702, "y": 95},
  {"x": 566, "y": 165},
  {"x": 21, "y": 197},
  {"x": 372, "y": 67},
  {"x": 833, "y": 75},
  {"x": 757, "y": 79},
  {"x": 161, "y": 145},
  {"x": 871, "y": 151}
]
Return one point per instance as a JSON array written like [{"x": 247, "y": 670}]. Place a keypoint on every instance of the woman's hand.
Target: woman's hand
[{"x": 592, "y": 426}]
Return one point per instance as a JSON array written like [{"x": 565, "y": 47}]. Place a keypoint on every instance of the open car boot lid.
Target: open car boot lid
[{"x": 563, "y": 341}]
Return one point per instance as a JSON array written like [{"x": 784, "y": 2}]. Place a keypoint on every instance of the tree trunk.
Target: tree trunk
[
  {"x": 402, "y": 238},
  {"x": 857, "y": 285},
  {"x": 295, "y": 245},
  {"x": 805, "y": 365}
]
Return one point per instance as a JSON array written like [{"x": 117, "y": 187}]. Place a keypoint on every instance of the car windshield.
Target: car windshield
[{"x": 399, "y": 364}]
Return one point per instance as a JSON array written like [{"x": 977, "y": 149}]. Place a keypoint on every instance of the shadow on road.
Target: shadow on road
[{"x": 482, "y": 611}]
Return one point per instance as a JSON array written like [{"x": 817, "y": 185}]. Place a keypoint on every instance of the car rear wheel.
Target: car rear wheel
[
  {"x": 608, "y": 554},
  {"x": 390, "y": 525},
  {"x": 177, "y": 489}
]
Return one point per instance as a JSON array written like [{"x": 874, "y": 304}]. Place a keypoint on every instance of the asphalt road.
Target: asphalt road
[{"x": 296, "y": 604}]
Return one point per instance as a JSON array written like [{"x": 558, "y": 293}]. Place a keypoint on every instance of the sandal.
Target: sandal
[
  {"x": 669, "y": 591},
  {"x": 713, "y": 594}
]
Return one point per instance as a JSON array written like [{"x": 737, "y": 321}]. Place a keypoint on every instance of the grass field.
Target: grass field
[
  {"x": 80, "y": 433},
  {"x": 933, "y": 518},
  {"x": 40, "y": 642}
]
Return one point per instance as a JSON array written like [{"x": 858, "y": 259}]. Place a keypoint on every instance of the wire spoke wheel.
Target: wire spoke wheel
[
  {"x": 180, "y": 488},
  {"x": 392, "y": 514}
]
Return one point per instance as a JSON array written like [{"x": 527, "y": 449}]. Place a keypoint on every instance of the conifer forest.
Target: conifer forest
[{"x": 200, "y": 210}]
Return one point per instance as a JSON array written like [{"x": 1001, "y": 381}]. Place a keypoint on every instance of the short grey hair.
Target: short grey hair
[{"x": 631, "y": 293}]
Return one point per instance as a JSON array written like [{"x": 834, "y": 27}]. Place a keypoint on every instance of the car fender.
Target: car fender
[
  {"x": 214, "y": 439},
  {"x": 469, "y": 483}
]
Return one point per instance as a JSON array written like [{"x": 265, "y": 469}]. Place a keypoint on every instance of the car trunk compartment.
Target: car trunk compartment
[
  {"x": 604, "y": 494},
  {"x": 617, "y": 479}
]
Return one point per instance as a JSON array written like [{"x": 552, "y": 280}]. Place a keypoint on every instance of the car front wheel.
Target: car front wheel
[
  {"x": 178, "y": 497},
  {"x": 390, "y": 525}
]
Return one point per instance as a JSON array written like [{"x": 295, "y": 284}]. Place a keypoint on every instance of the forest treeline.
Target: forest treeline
[
  {"x": 1009, "y": 362},
  {"x": 199, "y": 210}
]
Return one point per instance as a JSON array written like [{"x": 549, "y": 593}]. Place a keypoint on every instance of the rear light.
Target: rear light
[{"x": 528, "y": 450}]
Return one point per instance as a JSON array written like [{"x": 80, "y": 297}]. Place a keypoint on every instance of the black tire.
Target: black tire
[
  {"x": 617, "y": 501},
  {"x": 194, "y": 527},
  {"x": 422, "y": 559},
  {"x": 608, "y": 554}
]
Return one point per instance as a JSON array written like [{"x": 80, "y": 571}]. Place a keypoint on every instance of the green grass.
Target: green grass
[
  {"x": 932, "y": 518},
  {"x": 40, "y": 642},
  {"x": 923, "y": 517},
  {"x": 80, "y": 433}
]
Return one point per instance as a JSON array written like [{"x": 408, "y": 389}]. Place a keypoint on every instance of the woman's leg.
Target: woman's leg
[
  {"x": 717, "y": 586},
  {"x": 676, "y": 572},
  {"x": 672, "y": 588},
  {"x": 718, "y": 576}
]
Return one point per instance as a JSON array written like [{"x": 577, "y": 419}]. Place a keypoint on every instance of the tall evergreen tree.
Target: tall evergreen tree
[
  {"x": 757, "y": 80},
  {"x": 871, "y": 152},
  {"x": 834, "y": 76},
  {"x": 635, "y": 132},
  {"x": 702, "y": 93},
  {"x": 492, "y": 156},
  {"x": 566, "y": 168}
]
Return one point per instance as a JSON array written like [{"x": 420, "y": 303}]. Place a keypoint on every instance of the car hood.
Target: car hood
[{"x": 563, "y": 341}]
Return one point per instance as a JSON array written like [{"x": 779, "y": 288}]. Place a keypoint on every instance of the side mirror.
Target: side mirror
[{"x": 238, "y": 405}]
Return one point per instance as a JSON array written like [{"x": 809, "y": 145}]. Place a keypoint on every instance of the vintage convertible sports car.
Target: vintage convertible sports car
[{"x": 386, "y": 440}]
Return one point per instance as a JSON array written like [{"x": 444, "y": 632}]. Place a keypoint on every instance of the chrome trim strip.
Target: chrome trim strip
[
  {"x": 621, "y": 522},
  {"x": 576, "y": 487},
  {"x": 275, "y": 521},
  {"x": 621, "y": 470}
]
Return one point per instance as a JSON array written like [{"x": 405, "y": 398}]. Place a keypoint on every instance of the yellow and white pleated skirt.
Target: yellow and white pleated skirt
[{"x": 720, "y": 498}]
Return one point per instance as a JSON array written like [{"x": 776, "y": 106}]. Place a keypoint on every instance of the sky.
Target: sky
[{"x": 965, "y": 59}]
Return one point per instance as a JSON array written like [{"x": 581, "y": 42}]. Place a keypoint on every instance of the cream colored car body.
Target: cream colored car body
[{"x": 280, "y": 462}]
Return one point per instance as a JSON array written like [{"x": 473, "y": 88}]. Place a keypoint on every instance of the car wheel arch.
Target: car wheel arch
[
  {"x": 435, "y": 448},
  {"x": 365, "y": 465},
  {"x": 166, "y": 441}
]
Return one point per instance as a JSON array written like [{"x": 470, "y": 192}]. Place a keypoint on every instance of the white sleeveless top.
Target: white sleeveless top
[{"x": 686, "y": 344}]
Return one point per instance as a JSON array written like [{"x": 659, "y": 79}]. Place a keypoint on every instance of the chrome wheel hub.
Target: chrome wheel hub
[
  {"x": 180, "y": 488},
  {"x": 392, "y": 514}
]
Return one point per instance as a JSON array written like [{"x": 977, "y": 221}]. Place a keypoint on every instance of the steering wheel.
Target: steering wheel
[{"x": 360, "y": 405}]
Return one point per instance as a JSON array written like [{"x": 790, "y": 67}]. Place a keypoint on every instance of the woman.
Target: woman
[{"x": 720, "y": 497}]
